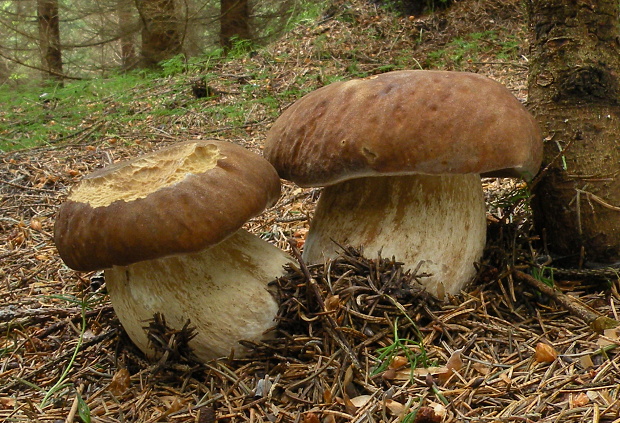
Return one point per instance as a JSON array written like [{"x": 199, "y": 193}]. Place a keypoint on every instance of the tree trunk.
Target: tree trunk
[
  {"x": 574, "y": 92},
  {"x": 234, "y": 22},
  {"x": 126, "y": 28},
  {"x": 49, "y": 38},
  {"x": 161, "y": 38}
]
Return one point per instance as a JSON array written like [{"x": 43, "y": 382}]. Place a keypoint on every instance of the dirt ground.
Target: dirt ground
[{"x": 501, "y": 351}]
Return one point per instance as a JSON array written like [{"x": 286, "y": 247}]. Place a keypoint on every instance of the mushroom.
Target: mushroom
[
  {"x": 401, "y": 155},
  {"x": 166, "y": 228}
]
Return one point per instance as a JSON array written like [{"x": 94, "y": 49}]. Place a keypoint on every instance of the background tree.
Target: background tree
[
  {"x": 126, "y": 27},
  {"x": 99, "y": 37},
  {"x": 574, "y": 92},
  {"x": 49, "y": 38},
  {"x": 161, "y": 38},
  {"x": 234, "y": 22}
]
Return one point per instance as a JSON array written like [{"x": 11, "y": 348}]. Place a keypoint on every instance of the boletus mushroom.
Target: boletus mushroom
[
  {"x": 400, "y": 156},
  {"x": 166, "y": 227}
]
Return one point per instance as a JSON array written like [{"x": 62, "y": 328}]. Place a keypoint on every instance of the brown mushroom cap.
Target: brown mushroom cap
[
  {"x": 427, "y": 122},
  {"x": 176, "y": 200}
]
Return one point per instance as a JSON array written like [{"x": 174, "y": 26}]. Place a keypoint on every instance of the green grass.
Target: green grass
[
  {"x": 62, "y": 384},
  {"x": 473, "y": 47},
  {"x": 402, "y": 346},
  {"x": 136, "y": 102},
  {"x": 34, "y": 116}
]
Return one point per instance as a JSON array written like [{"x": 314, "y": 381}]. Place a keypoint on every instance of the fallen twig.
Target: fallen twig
[{"x": 596, "y": 321}]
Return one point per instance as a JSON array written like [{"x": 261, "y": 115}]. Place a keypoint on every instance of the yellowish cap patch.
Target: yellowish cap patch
[{"x": 140, "y": 177}]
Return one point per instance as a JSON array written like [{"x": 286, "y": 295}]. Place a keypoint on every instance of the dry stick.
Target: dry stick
[
  {"x": 332, "y": 327},
  {"x": 596, "y": 321}
]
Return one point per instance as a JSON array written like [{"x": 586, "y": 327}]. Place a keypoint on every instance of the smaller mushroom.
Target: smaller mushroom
[
  {"x": 400, "y": 156},
  {"x": 166, "y": 227}
]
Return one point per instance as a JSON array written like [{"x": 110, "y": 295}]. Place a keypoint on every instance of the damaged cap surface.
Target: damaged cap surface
[{"x": 179, "y": 199}]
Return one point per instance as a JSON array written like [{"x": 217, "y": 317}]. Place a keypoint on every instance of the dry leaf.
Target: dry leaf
[
  {"x": 454, "y": 364},
  {"x": 483, "y": 369},
  {"x": 327, "y": 396},
  {"x": 346, "y": 402},
  {"x": 398, "y": 362},
  {"x": 426, "y": 414},
  {"x": 332, "y": 303},
  {"x": 120, "y": 382},
  {"x": 423, "y": 371},
  {"x": 360, "y": 400},
  {"x": 175, "y": 406},
  {"x": 586, "y": 361},
  {"x": 545, "y": 353},
  {"x": 6, "y": 402},
  {"x": 609, "y": 337},
  {"x": 439, "y": 409},
  {"x": 35, "y": 224},
  {"x": 395, "y": 407},
  {"x": 389, "y": 374},
  {"x": 505, "y": 378},
  {"x": 580, "y": 400},
  {"x": 311, "y": 417}
]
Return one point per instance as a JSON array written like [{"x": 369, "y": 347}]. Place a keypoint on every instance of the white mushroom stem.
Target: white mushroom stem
[
  {"x": 222, "y": 290},
  {"x": 437, "y": 220}
]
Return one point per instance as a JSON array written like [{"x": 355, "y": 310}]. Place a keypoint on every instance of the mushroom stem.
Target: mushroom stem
[
  {"x": 222, "y": 290},
  {"x": 437, "y": 220}
]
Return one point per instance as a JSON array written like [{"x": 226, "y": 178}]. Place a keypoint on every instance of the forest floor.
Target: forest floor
[{"x": 501, "y": 351}]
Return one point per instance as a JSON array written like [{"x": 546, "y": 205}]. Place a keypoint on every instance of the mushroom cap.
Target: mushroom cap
[
  {"x": 405, "y": 122},
  {"x": 176, "y": 200}
]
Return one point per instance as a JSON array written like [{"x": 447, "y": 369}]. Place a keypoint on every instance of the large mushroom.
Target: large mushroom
[
  {"x": 401, "y": 155},
  {"x": 166, "y": 228}
]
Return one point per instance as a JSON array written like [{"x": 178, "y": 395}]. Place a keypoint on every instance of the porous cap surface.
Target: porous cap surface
[
  {"x": 179, "y": 199},
  {"x": 427, "y": 122}
]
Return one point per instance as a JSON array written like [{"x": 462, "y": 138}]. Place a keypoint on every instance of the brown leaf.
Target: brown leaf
[
  {"x": 120, "y": 382},
  {"x": 608, "y": 337},
  {"x": 398, "y": 362},
  {"x": 586, "y": 361},
  {"x": 426, "y": 414},
  {"x": 454, "y": 364},
  {"x": 389, "y": 374},
  {"x": 395, "y": 407},
  {"x": 360, "y": 400},
  {"x": 6, "y": 403},
  {"x": 311, "y": 417},
  {"x": 35, "y": 224},
  {"x": 332, "y": 303},
  {"x": 580, "y": 400},
  {"x": 327, "y": 396},
  {"x": 545, "y": 353},
  {"x": 175, "y": 406}
]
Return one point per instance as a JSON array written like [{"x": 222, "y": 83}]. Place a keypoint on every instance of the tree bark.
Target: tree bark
[
  {"x": 126, "y": 26},
  {"x": 574, "y": 92},
  {"x": 49, "y": 38},
  {"x": 234, "y": 22},
  {"x": 161, "y": 38}
]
